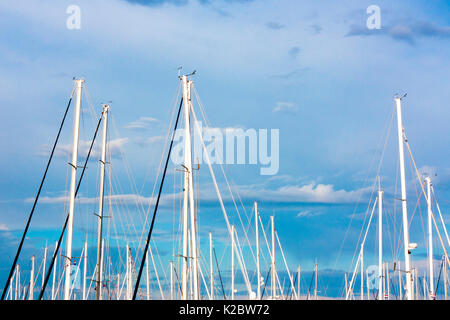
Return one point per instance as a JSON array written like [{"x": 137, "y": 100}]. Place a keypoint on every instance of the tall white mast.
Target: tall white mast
[
  {"x": 388, "y": 278},
  {"x": 188, "y": 199},
  {"x": 99, "y": 274},
  {"x": 54, "y": 273},
  {"x": 85, "y": 270},
  {"x": 128, "y": 274},
  {"x": 73, "y": 178},
  {"x": 30, "y": 295},
  {"x": 211, "y": 268},
  {"x": 430, "y": 239},
  {"x": 444, "y": 261},
  {"x": 298, "y": 281},
  {"x": 16, "y": 295},
  {"x": 380, "y": 245},
  {"x": 44, "y": 263},
  {"x": 258, "y": 266},
  {"x": 362, "y": 271},
  {"x": 400, "y": 291},
  {"x": 273, "y": 275},
  {"x": 403, "y": 199},
  {"x": 148, "y": 276},
  {"x": 232, "y": 261},
  {"x": 171, "y": 280},
  {"x": 315, "y": 286}
]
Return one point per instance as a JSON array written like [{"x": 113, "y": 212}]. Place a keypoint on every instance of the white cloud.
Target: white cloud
[
  {"x": 308, "y": 213},
  {"x": 117, "y": 199},
  {"x": 315, "y": 193},
  {"x": 65, "y": 150},
  {"x": 141, "y": 123},
  {"x": 285, "y": 107}
]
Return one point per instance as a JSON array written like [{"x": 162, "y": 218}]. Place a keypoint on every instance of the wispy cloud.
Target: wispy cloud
[
  {"x": 285, "y": 107},
  {"x": 310, "y": 193},
  {"x": 308, "y": 213},
  {"x": 404, "y": 32},
  {"x": 117, "y": 199},
  {"x": 141, "y": 123},
  {"x": 64, "y": 150}
]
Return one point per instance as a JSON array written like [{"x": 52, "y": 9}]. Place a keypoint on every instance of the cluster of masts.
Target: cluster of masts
[
  {"x": 187, "y": 282},
  {"x": 188, "y": 285},
  {"x": 407, "y": 288}
]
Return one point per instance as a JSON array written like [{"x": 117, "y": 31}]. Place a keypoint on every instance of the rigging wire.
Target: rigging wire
[
  {"x": 67, "y": 217},
  {"x": 19, "y": 249},
  {"x": 156, "y": 205}
]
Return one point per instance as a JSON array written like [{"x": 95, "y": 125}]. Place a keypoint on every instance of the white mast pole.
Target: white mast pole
[
  {"x": 430, "y": 240},
  {"x": 315, "y": 286},
  {"x": 400, "y": 281},
  {"x": 380, "y": 244},
  {"x": 54, "y": 273},
  {"x": 346, "y": 284},
  {"x": 44, "y": 263},
  {"x": 99, "y": 274},
  {"x": 73, "y": 178},
  {"x": 232, "y": 261},
  {"x": 258, "y": 266},
  {"x": 85, "y": 270},
  {"x": 30, "y": 295},
  {"x": 362, "y": 271},
  {"x": 388, "y": 281},
  {"x": 367, "y": 284},
  {"x": 148, "y": 276},
  {"x": 118, "y": 286},
  {"x": 404, "y": 209},
  {"x": 424, "y": 283},
  {"x": 16, "y": 294},
  {"x": 273, "y": 271},
  {"x": 211, "y": 266},
  {"x": 444, "y": 261},
  {"x": 298, "y": 282},
  {"x": 128, "y": 274},
  {"x": 184, "y": 273},
  {"x": 171, "y": 280},
  {"x": 188, "y": 164}
]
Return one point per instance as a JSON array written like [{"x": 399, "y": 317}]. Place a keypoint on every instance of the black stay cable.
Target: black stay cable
[
  {"x": 265, "y": 283},
  {"x": 144, "y": 256},
  {"x": 19, "y": 249},
  {"x": 220, "y": 276},
  {"x": 58, "y": 245},
  {"x": 439, "y": 278}
]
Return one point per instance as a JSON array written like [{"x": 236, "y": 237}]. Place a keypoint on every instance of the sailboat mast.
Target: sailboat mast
[
  {"x": 430, "y": 239},
  {"x": 273, "y": 276},
  {"x": 403, "y": 199},
  {"x": 380, "y": 245},
  {"x": 315, "y": 286},
  {"x": 73, "y": 178},
  {"x": 99, "y": 275},
  {"x": 30, "y": 295},
  {"x": 85, "y": 270},
  {"x": 188, "y": 199},
  {"x": 258, "y": 266},
  {"x": 362, "y": 271},
  {"x": 211, "y": 268},
  {"x": 232, "y": 261}
]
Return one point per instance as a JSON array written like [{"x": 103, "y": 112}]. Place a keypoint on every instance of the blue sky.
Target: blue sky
[{"x": 310, "y": 69}]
